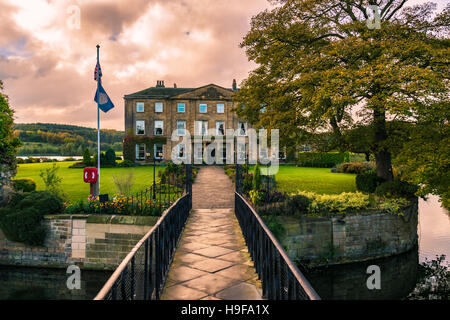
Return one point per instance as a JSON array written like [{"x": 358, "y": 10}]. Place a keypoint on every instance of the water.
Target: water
[
  {"x": 59, "y": 158},
  {"x": 399, "y": 274},
  {"x": 22, "y": 283}
]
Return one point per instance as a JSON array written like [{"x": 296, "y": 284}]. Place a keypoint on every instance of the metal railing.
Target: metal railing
[
  {"x": 280, "y": 277},
  {"x": 142, "y": 273}
]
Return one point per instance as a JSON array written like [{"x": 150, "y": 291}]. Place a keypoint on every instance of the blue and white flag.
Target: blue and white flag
[{"x": 104, "y": 102}]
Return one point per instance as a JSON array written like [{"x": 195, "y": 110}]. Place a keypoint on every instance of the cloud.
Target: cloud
[{"x": 47, "y": 67}]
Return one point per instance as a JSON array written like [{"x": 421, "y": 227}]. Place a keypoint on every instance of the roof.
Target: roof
[
  {"x": 164, "y": 92},
  {"x": 158, "y": 92}
]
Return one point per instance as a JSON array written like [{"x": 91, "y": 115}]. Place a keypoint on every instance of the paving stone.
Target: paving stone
[
  {"x": 211, "y": 283},
  {"x": 213, "y": 251},
  {"x": 211, "y": 265},
  {"x": 180, "y": 292},
  {"x": 183, "y": 273},
  {"x": 241, "y": 291}
]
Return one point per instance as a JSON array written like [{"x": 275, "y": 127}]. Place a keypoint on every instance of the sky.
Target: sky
[{"x": 48, "y": 55}]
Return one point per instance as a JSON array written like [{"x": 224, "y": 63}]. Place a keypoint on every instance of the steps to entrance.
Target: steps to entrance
[{"x": 212, "y": 261}]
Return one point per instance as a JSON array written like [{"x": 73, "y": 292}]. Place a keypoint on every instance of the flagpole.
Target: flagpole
[{"x": 98, "y": 120}]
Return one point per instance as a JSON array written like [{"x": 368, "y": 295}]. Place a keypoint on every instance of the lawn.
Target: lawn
[
  {"x": 319, "y": 180},
  {"x": 76, "y": 188}
]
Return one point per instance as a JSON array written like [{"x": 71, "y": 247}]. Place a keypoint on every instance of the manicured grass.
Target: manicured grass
[
  {"x": 72, "y": 179},
  {"x": 319, "y": 180}
]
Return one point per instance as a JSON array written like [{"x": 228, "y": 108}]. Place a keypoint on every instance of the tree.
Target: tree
[
  {"x": 320, "y": 68},
  {"x": 110, "y": 157},
  {"x": 8, "y": 147},
  {"x": 87, "y": 157}
]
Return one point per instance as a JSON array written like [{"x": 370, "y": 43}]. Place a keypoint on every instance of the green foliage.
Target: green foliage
[
  {"x": 318, "y": 64},
  {"x": 321, "y": 159},
  {"x": 9, "y": 143},
  {"x": 87, "y": 157},
  {"x": 247, "y": 182},
  {"x": 394, "y": 206},
  {"x": 368, "y": 181},
  {"x": 396, "y": 188},
  {"x": 124, "y": 183},
  {"x": 21, "y": 220},
  {"x": 434, "y": 281},
  {"x": 59, "y": 139},
  {"x": 297, "y": 205},
  {"x": 354, "y": 167},
  {"x": 125, "y": 163},
  {"x": 130, "y": 141},
  {"x": 274, "y": 226},
  {"x": 25, "y": 185},
  {"x": 52, "y": 181},
  {"x": 256, "y": 181},
  {"x": 256, "y": 196},
  {"x": 336, "y": 203},
  {"x": 110, "y": 157}
]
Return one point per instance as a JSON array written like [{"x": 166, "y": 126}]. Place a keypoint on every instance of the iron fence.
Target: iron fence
[
  {"x": 280, "y": 277},
  {"x": 142, "y": 273}
]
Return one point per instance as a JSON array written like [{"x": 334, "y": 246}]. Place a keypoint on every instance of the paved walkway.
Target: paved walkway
[{"x": 212, "y": 261}]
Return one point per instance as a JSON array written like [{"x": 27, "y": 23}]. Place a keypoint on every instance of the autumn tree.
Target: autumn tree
[{"x": 321, "y": 67}]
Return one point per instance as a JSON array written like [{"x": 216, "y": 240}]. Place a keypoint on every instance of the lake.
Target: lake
[{"x": 399, "y": 274}]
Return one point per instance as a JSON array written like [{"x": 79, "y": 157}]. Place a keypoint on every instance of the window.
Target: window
[
  {"x": 181, "y": 107},
  {"x": 158, "y": 107},
  {"x": 220, "y": 128},
  {"x": 159, "y": 125},
  {"x": 242, "y": 128},
  {"x": 181, "y": 128},
  {"x": 140, "y": 151},
  {"x": 140, "y": 127},
  {"x": 139, "y": 107},
  {"x": 220, "y": 108},
  {"x": 158, "y": 151},
  {"x": 203, "y": 108},
  {"x": 202, "y": 128},
  {"x": 181, "y": 151}
]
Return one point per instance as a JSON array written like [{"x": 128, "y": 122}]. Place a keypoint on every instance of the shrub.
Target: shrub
[
  {"x": 297, "y": 204},
  {"x": 21, "y": 220},
  {"x": 25, "y": 185},
  {"x": 256, "y": 177},
  {"x": 23, "y": 226},
  {"x": 368, "y": 181},
  {"x": 110, "y": 157},
  {"x": 87, "y": 157},
  {"x": 354, "y": 167},
  {"x": 256, "y": 196},
  {"x": 126, "y": 163},
  {"x": 336, "y": 203},
  {"x": 52, "y": 181},
  {"x": 124, "y": 183},
  {"x": 321, "y": 159},
  {"x": 247, "y": 182},
  {"x": 396, "y": 189},
  {"x": 274, "y": 226}
]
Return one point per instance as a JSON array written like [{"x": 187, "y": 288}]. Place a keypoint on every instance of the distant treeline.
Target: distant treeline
[{"x": 60, "y": 139}]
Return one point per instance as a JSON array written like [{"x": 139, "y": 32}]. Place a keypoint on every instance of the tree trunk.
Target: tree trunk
[
  {"x": 367, "y": 156},
  {"x": 382, "y": 155}
]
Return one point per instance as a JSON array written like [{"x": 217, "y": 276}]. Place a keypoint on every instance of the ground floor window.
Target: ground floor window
[
  {"x": 158, "y": 151},
  {"x": 140, "y": 151}
]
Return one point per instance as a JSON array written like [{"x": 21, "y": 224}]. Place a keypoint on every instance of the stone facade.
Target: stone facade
[
  {"x": 92, "y": 242},
  {"x": 169, "y": 98},
  {"x": 350, "y": 238}
]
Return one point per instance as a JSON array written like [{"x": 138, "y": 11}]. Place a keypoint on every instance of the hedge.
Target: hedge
[
  {"x": 321, "y": 159},
  {"x": 25, "y": 185}
]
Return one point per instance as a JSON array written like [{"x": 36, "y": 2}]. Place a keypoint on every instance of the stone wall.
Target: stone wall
[
  {"x": 356, "y": 237},
  {"x": 92, "y": 242}
]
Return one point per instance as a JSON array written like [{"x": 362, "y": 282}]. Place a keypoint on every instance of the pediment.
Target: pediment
[{"x": 208, "y": 92}]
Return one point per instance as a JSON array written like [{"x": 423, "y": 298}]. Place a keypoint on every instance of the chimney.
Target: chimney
[
  {"x": 160, "y": 83},
  {"x": 234, "y": 85},
  {"x": 174, "y": 85}
]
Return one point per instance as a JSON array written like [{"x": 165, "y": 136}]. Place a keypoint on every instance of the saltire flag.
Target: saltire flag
[
  {"x": 104, "y": 102},
  {"x": 98, "y": 72}
]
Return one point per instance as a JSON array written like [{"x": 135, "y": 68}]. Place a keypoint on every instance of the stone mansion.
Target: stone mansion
[{"x": 159, "y": 110}]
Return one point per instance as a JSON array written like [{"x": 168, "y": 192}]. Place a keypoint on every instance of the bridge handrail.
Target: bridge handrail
[
  {"x": 256, "y": 244},
  {"x": 129, "y": 258}
]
